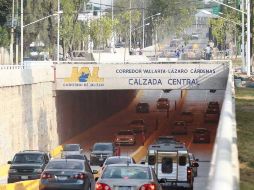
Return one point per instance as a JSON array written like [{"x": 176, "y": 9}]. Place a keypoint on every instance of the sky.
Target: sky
[{"x": 104, "y": 2}]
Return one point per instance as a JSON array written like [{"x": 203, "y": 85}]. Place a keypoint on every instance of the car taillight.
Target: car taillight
[
  {"x": 102, "y": 186},
  {"x": 189, "y": 174},
  {"x": 80, "y": 176},
  {"x": 46, "y": 176},
  {"x": 148, "y": 187}
]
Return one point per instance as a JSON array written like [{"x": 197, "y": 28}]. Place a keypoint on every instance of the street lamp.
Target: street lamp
[
  {"x": 23, "y": 26},
  {"x": 248, "y": 13},
  {"x": 147, "y": 24},
  {"x": 143, "y": 40}
]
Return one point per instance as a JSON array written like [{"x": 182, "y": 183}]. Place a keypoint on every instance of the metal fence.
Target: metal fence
[{"x": 224, "y": 170}]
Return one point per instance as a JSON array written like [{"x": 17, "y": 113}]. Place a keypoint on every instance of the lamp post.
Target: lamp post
[
  {"x": 248, "y": 13},
  {"x": 23, "y": 26},
  {"x": 157, "y": 14}
]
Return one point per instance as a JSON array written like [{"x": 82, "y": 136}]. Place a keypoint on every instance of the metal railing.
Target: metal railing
[{"x": 224, "y": 170}]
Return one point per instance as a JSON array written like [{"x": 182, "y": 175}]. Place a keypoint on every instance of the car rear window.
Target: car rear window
[
  {"x": 28, "y": 158},
  {"x": 163, "y": 100},
  {"x": 201, "y": 131},
  {"x": 126, "y": 172},
  {"x": 103, "y": 147},
  {"x": 71, "y": 147},
  {"x": 117, "y": 160},
  {"x": 65, "y": 164},
  {"x": 125, "y": 133},
  {"x": 79, "y": 157},
  {"x": 167, "y": 165}
]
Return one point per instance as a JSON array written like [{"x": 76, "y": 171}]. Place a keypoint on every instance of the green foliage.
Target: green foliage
[
  {"x": 5, "y": 10},
  {"x": 4, "y": 37}
]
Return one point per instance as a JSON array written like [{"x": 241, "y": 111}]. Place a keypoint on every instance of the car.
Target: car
[
  {"x": 166, "y": 140},
  {"x": 137, "y": 126},
  {"x": 212, "y": 115},
  {"x": 67, "y": 174},
  {"x": 142, "y": 108},
  {"x": 125, "y": 137},
  {"x": 187, "y": 116},
  {"x": 101, "y": 151},
  {"x": 27, "y": 165},
  {"x": 213, "y": 105},
  {"x": 163, "y": 103},
  {"x": 128, "y": 176},
  {"x": 201, "y": 135},
  {"x": 71, "y": 149},
  {"x": 194, "y": 160},
  {"x": 179, "y": 127}
]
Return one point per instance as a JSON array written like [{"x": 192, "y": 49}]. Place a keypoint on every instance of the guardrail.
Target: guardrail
[{"x": 224, "y": 170}]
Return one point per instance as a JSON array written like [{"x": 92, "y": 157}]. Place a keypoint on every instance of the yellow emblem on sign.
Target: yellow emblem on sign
[{"x": 84, "y": 74}]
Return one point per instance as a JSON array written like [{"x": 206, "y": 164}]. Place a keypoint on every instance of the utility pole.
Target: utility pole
[
  {"x": 113, "y": 36},
  {"x": 143, "y": 19},
  {"x": 243, "y": 37},
  {"x": 130, "y": 29},
  {"x": 22, "y": 32},
  {"x": 58, "y": 30},
  {"x": 248, "y": 38},
  {"x": 17, "y": 38},
  {"x": 12, "y": 34}
]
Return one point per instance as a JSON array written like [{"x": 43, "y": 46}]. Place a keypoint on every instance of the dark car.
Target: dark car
[
  {"x": 212, "y": 115},
  {"x": 67, "y": 174},
  {"x": 201, "y": 135},
  {"x": 27, "y": 165},
  {"x": 137, "y": 126},
  {"x": 101, "y": 151},
  {"x": 142, "y": 108},
  {"x": 163, "y": 103}
]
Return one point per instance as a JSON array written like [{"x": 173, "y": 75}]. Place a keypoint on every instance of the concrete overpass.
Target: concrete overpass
[{"x": 34, "y": 115}]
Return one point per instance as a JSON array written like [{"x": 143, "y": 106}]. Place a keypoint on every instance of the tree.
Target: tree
[
  {"x": 4, "y": 37},
  {"x": 5, "y": 10}
]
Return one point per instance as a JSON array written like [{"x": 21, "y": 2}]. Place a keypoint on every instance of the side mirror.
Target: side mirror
[
  {"x": 197, "y": 160},
  {"x": 9, "y": 162},
  {"x": 96, "y": 179},
  {"x": 142, "y": 162},
  {"x": 101, "y": 165},
  {"x": 195, "y": 164}
]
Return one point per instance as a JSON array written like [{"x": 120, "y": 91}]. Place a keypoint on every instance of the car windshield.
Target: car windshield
[
  {"x": 65, "y": 164},
  {"x": 103, "y": 147},
  {"x": 79, "y": 157},
  {"x": 117, "y": 160},
  {"x": 28, "y": 158},
  {"x": 126, "y": 172},
  {"x": 162, "y": 140},
  {"x": 71, "y": 147},
  {"x": 125, "y": 133},
  {"x": 201, "y": 131}
]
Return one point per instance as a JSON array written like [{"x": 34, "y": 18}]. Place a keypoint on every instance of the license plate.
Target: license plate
[
  {"x": 100, "y": 159},
  {"x": 124, "y": 188},
  {"x": 24, "y": 177},
  {"x": 61, "y": 178}
]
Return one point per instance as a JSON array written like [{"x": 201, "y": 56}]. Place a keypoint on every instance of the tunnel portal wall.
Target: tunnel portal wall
[{"x": 80, "y": 110}]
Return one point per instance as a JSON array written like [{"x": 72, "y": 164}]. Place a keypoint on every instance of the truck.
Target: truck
[{"x": 171, "y": 163}]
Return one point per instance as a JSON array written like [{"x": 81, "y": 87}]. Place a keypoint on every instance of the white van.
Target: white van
[{"x": 172, "y": 165}]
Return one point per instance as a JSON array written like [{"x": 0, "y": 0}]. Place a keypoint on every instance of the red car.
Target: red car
[{"x": 201, "y": 135}]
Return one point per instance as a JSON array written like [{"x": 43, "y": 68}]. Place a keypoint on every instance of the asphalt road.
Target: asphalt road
[{"x": 195, "y": 101}]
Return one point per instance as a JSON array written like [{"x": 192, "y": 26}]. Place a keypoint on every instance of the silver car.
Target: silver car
[{"x": 128, "y": 177}]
